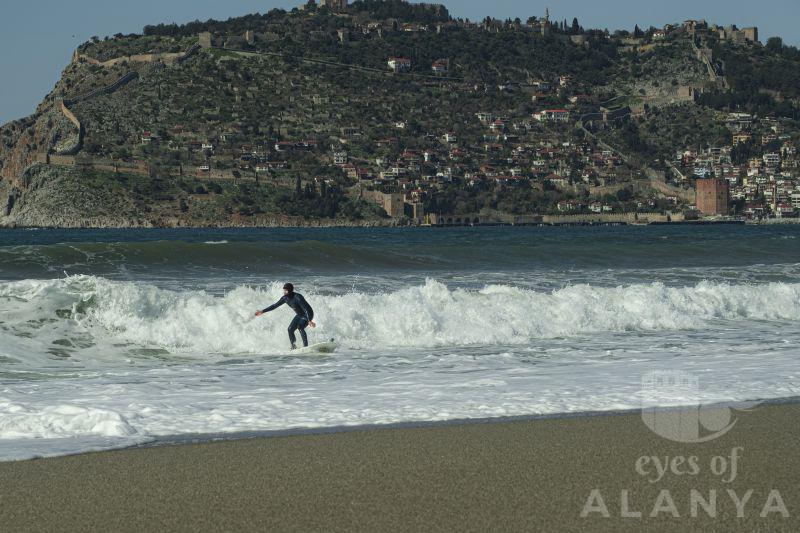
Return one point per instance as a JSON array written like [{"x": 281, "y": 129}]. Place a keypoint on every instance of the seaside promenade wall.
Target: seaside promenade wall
[
  {"x": 628, "y": 218},
  {"x": 494, "y": 218}
]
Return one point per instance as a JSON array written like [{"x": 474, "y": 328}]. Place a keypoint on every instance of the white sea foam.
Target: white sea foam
[
  {"x": 65, "y": 420},
  {"x": 429, "y": 315},
  {"x": 87, "y": 363}
]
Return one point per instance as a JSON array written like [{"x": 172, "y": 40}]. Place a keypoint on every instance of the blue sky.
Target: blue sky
[{"x": 37, "y": 37}]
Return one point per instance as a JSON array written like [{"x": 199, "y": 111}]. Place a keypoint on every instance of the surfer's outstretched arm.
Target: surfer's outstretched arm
[{"x": 271, "y": 307}]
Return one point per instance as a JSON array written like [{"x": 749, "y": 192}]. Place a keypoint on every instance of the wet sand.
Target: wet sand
[{"x": 532, "y": 475}]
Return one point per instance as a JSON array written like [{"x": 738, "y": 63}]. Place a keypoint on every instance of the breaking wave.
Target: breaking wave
[{"x": 85, "y": 310}]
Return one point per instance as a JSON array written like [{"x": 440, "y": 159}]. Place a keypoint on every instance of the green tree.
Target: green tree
[{"x": 774, "y": 44}]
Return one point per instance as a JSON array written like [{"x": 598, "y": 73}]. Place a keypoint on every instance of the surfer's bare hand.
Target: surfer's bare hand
[
  {"x": 259, "y": 313},
  {"x": 312, "y": 324}
]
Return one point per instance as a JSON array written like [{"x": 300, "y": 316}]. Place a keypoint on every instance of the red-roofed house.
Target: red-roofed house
[
  {"x": 497, "y": 125},
  {"x": 440, "y": 67}
]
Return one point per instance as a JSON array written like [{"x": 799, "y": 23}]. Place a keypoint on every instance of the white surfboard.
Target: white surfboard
[{"x": 319, "y": 347}]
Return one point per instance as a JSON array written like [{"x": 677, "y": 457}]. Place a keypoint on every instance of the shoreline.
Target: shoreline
[
  {"x": 201, "y": 438},
  {"x": 534, "y": 475},
  {"x": 183, "y": 439},
  {"x": 395, "y": 224}
]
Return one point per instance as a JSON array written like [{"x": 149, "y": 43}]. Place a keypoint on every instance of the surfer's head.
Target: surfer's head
[{"x": 288, "y": 289}]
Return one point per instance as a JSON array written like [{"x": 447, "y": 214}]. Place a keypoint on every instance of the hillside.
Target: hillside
[{"x": 380, "y": 114}]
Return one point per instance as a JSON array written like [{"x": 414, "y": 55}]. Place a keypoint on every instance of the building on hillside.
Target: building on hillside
[
  {"x": 235, "y": 42},
  {"x": 350, "y": 132},
  {"x": 552, "y": 115},
  {"x": 772, "y": 160},
  {"x": 334, "y": 5},
  {"x": 415, "y": 212},
  {"x": 543, "y": 25},
  {"x": 392, "y": 203},
  {"x": 205, "y": 39},
  {"x": 712, "y": 196},
  {"x": 693, "y": 26},
  {"x": 442, "y": 66},
  {"x": 735, "y": 35},
  {"x": 399, "y": 64}
]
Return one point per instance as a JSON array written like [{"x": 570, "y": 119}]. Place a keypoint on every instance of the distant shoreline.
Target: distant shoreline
[{"x": 394, "y": 224}]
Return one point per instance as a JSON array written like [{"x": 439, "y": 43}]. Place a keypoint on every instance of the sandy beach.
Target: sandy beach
[{"x": 534, "y": 475}]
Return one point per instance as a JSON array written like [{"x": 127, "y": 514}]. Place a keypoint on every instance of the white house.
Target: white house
[
  {"x": 772, "y": 160},
  {"x": 552, "y": 115},
  {"x": 399, "y": 64}
]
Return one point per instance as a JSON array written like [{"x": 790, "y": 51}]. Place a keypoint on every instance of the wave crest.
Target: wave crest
[{"x": 427, "y": 315}]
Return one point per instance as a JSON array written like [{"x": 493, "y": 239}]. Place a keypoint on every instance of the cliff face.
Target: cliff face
[
  {"x": 28, "y": 141},
  {"x": 27, "y": 146}
]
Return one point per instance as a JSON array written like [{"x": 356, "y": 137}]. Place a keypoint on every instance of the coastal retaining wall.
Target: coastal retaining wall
[
  {"x": 628, "y": 218},
  {"x": 475, "y": 219}
]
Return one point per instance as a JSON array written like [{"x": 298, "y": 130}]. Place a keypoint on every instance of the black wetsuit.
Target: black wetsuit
[{"x": 303, "y": 315}]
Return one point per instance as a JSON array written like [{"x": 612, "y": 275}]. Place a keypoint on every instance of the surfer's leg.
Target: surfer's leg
[
  {"x": 302, "y": 324},
  {"x": 292, "y": 328}
]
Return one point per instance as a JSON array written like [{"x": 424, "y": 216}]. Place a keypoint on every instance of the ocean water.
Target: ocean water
[{"x": 117, "y": 337}]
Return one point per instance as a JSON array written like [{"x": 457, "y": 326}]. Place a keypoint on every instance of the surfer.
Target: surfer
[{"x": 304, "y": 314}]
